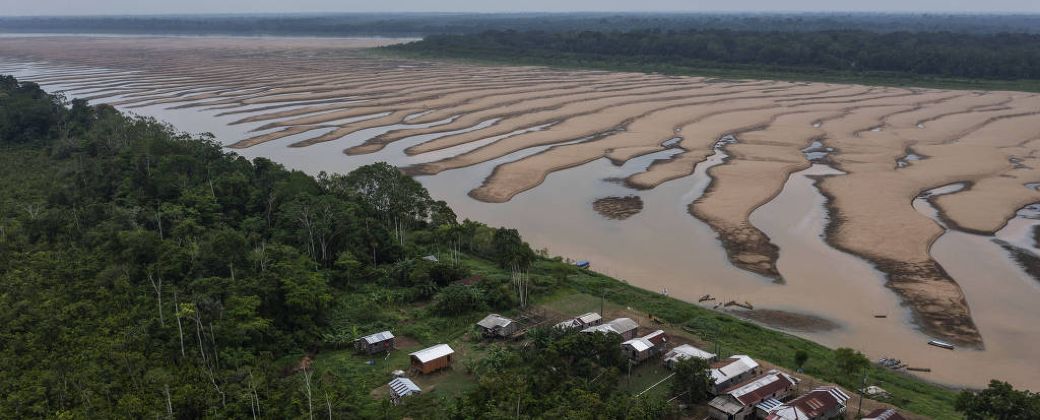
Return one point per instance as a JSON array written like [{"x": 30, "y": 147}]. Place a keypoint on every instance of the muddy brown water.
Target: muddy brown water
[{"x": 663, "y": 248}]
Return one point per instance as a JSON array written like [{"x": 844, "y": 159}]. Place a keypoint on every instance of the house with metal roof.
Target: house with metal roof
[
  {"x": 625, "y": 327},
  {"x": 402, "y": 387},
  {"x": 640, "y": 349},
  {"x": 686, "y": 351},
  {"x": 495, "y": 325},
  {"x": 581, "y": 322},
  {"x": 884, "y": 414},
  {"x": 432, "y": 359},
  {"x": 375, "y": 343},
  {"x": 732, "y": 370},
  {"x": 739, "y": 401},
  {"x": 826, "y": 402}
]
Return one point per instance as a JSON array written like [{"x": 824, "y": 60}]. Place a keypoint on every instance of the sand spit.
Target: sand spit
[{"x": 525, "y": 126}]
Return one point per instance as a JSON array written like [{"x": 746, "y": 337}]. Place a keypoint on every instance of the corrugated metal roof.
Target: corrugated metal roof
[
  {"x": 377, "y": 337},
  {"x": 403, "y": 387},
  {"x": 811, "y": 405},
  {"x": 639, "y": 344},
  {"x": 623, "y": 325},
  {"x": 494, "y": 320},
  {"x": 769, "y": 404},
  {"x": 732, "y": 367},
  {"x": 432, "y": 353},
  {"x": 884, "y": 414},
  {"x": 589, "y": 317},
  {"x": 754, "y": 391},
  {"x": 657, "y": 337},
  {"x": 686, "y": 351},
  {"x": 725, "y": 404}
]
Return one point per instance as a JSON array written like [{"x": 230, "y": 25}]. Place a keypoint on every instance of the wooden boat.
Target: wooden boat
[{"x": 941, "y": 344}]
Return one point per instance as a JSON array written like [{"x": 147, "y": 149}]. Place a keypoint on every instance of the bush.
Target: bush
[{"x": 458, "y": 299}]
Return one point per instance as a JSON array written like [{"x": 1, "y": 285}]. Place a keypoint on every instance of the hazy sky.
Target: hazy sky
[{"x": 86, "y": 7}]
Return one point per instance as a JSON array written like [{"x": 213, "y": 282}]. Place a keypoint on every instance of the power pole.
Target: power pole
[
  {"x": 602, "y": 297},
  {"x": 859, "y": 410}
]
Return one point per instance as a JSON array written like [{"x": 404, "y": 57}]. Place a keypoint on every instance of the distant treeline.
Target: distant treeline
[
  {"x": 1002, "y": 56},
  {"x": 422, "y": 24}
]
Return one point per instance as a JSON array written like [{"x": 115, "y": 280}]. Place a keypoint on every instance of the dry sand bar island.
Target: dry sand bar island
[{"x": 821, "y": 205}]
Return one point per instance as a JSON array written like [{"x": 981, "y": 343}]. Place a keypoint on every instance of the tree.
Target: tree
[
  {"x": 693, "y": 383},
  {"x": 999, "y": 401},
  {"x": 458, "y": 299},
  {"x": 800, "y": 357},
  {"x": 849, "y": 361}
]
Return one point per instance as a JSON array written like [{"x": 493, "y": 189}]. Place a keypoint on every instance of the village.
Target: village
[{"x": 742, "y": 387}]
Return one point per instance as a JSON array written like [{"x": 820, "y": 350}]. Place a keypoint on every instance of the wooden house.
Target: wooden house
[
  {"x": 581, "y": 322},
  {"x": 826, "y": 402},
  {"x": 625, "y": 327},
  {"x": 496, "y": 326},
  {"x": 402, "y": 387},
  {"x": 733, "y": 370},
  {"x": 686, "y": 351},
  {"x": 432, "y": 359},
  {"x": 739, "y": 401},
  {"x": 640, "y": 349},
  {"x": 375, "y": 343}
]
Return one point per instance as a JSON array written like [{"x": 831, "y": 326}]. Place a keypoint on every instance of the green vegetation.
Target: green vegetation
[
  {"x": 693, "y": 383},
  {"x": 927, "y": 59},
  {"x": 999, "y": 401},
  {"x": 147, "y": 273}
]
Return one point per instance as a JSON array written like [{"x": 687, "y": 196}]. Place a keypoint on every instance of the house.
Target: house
[
  {"x": 733, "y": 370},
  {"x": 686, "y": 351},
  {"x": 375, "y": 343},
  {"x": 625, "y": 327},
  {"x": 739, "y": 401},
  {"x": 884, "y": 414},
  {"x": 581, "y": 322},
  {"x": 402, "y": 387},
  {"x": 495, "y": 325},
  {"x": 645, "y": 347},
  {"x": 432, "y": 359},
  {"x": 821, "y": 403}
]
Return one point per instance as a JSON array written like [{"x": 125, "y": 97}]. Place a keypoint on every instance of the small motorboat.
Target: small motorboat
[
  {"x": 583, "y": 264},
  {"x": 941, "y": 344}
]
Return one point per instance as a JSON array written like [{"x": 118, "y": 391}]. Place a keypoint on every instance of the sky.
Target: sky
[{"x": 124, "y": 7}]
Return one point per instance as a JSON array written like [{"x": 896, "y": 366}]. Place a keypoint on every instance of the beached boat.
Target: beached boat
[
  {"x": 583, "y": 264},
  {"x": 942, "y": 344}
]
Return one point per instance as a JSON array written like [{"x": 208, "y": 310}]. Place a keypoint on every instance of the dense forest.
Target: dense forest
[
  {"x": 853, "y": 53},
  {"x": 422, "y": 24},
  {"x": 146, "y": 273}
]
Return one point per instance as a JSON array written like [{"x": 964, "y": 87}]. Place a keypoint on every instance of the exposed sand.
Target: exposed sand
[{"x": 526, "y": 124}]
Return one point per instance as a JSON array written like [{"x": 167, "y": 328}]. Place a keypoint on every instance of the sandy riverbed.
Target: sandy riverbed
[{"x": 543, "y": 141}]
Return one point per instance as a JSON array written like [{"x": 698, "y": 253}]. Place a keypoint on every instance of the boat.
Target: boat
[
  {"x": 583, "y": 264},
  {"x": 941, "y": 344}
]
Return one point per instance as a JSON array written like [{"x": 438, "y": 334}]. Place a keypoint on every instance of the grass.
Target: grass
[{"x": 808, "y": 75}]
